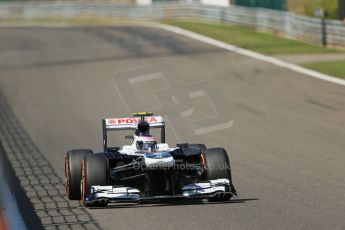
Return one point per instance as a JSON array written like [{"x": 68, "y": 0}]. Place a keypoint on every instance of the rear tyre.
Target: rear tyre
[
  {"x": 94, "y": 172},
  {"x": 73, "y": 161},
  {"x": 217, "y": 165}
]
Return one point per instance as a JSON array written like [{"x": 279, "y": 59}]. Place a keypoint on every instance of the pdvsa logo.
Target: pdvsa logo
[{"x": 120, "y": 121}]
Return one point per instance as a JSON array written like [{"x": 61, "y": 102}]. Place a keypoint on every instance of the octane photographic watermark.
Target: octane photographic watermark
[
  {"x": 190, "y": 108},
  {"x": 181, "y": 167}
]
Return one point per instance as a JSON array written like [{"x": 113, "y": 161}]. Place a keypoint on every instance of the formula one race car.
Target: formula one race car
[{"x": 146, "y": 170}]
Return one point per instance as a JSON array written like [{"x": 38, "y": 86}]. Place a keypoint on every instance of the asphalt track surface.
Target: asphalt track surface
[{"x": 285, "y": 132}]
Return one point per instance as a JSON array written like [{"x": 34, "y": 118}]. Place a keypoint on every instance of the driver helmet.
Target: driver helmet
[
  {"x": 143, "y": 129},
  {"x": 146, "y": 143}
]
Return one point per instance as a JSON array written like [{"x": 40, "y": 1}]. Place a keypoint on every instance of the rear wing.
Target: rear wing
[{"x": 130, "y": 123}]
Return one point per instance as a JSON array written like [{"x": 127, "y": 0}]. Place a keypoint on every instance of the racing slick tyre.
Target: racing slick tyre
[
  {"x": 73, "y": 172},
  {"x": 217, "y": 165},
  {"x": 94, "y": 172},
  {"x": 200, "y": 146}
]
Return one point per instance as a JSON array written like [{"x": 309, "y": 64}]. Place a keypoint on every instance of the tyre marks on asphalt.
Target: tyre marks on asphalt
[
  {"x": 103, "y": 44},
  {"x": 43, "y": 187}
]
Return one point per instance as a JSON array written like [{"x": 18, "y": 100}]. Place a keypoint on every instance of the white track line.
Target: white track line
[{"x": 251, "y": 54}]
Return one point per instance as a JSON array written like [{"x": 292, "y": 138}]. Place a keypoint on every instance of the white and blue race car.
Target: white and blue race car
[{"x": 146, "y": 170}]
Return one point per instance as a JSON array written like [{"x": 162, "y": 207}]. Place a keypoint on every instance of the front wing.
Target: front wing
[{"x": 115, "y": 194}]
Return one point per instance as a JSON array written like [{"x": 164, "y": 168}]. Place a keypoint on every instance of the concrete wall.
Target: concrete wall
[
  {"x": 143, "y": 2},
  {"x": 216, "y": 2}
]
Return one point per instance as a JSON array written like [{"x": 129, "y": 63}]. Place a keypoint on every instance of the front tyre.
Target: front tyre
[
  {"x": 94, "y": 172},
  {"x": 217, "y": 165},
  {"x": 73, "y": 171}
]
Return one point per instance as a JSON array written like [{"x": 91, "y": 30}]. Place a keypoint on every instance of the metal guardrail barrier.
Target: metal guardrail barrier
[{"x": 284, "y": 23}]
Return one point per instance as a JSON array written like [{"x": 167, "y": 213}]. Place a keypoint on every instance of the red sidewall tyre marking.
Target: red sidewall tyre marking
[
  {"x": 67, "y": 176},
  {"x": 83, "y": 179}
]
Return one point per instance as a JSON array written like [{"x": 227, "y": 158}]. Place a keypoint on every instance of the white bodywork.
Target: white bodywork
[
  {"x": 212, "y": 186},
  {"x": 133, "y": 150},
  {"x": 159, "y": 160},
  {"x": 190, "y": 190},
  {"x": 111, "y": 192},
  {"x": 153, "y": 158},
  {"x": 127, "y": 123},
  {"x": 132, "y": 122}
]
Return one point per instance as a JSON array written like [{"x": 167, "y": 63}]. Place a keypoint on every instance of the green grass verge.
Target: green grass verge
[
  {"x": 334, "y": 68},
  {"x": 307, "y": 7},
  {"x": 250, "y": 39}
]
